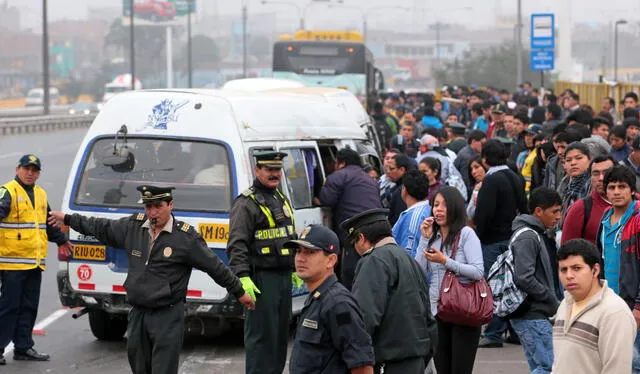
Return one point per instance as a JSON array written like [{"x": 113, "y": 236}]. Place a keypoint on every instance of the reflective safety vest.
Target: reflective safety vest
[
  {"x": 23, "y": 233},
  {"x": 268, "y": 242}
]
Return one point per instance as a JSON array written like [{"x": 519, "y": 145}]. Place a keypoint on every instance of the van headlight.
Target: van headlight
[{"x": 72, "y": 111}]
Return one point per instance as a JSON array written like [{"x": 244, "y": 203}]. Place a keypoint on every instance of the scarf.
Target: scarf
[{"x": 577, "y": 188}]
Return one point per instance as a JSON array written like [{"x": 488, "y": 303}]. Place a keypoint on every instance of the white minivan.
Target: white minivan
[
  {"x": 35, "y": 97},
  {"x": 201, "y": 142}
]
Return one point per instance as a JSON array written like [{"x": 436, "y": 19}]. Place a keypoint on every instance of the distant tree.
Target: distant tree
[
  {"x": 149, "y": 45},
  {"x": 495, "y": 67},
  {"x": 205, "y": 53},
  {"x": 260, "y": 46}
]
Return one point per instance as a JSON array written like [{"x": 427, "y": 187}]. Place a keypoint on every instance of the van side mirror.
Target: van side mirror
[{"x": 120, "y": 160}]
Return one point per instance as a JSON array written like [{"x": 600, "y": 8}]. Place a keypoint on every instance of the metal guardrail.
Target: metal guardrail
[
  {"x": 9, "y": 126},
  {"x": 32, "y": 111}
]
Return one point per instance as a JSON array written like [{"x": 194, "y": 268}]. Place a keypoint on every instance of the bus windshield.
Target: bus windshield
[
  {"x": 319, "y": 58},
  {"x": 199, "y": 171}
]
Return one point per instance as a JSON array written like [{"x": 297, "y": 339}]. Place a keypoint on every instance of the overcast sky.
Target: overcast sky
[{"x": 479, "y": 12}]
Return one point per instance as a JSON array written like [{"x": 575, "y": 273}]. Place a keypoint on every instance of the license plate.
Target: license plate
[
  {"x": 214, "y": 232},
  {"x": 89, "y": 252}
]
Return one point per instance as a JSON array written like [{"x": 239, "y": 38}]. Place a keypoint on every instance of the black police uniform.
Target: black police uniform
[
  {"x": 261, "y": 221},
  {"x": 157, "y": 280},
  {"x": 331, "y": 335},
  {"x": 392, "y": 292}
]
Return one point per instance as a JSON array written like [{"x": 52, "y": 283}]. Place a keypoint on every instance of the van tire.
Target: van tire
[{"x": 105, "y": 326}]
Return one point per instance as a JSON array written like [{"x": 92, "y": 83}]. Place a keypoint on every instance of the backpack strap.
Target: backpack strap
[
  {"x": 588, "y": 204},
  {"x": 520, "y": 231}
]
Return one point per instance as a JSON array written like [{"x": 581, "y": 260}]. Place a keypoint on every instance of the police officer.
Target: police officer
[
  {"x": 23, "y": 252},
  {"x": 331, "y": 336},
  {"x": 392, "y": 292},
  {"x": 261, "y": 221},
  {"x": 161, "y": 252}
]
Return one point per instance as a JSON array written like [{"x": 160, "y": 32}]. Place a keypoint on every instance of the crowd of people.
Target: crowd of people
[{"x": 551, "y": 181}]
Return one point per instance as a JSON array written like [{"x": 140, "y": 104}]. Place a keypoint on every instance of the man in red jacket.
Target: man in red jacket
[{"x": 576, "y": 225}]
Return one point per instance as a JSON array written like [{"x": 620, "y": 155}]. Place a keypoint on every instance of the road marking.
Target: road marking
[
  {"x": 11, "y": 155},
  {"x": 41, "y": 326},
  {"x": 195, "y": 361}
]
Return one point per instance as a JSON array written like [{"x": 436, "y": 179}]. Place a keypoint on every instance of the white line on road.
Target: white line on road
[
  {"x": 41, "y": 325},
  {"x": 195, "y": 361},
  {"x": 11, "y": 155}
]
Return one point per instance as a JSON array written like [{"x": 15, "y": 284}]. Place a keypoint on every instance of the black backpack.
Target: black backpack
[{"x": 588, "y": 204}]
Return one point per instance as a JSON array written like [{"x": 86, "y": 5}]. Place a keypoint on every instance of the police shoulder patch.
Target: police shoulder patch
[
  {"x": 141, "y": 217},
  {"x": 3, "y": 191},
  {"x": 187, "y": 228},
  {"x": 248, "y": 192}
]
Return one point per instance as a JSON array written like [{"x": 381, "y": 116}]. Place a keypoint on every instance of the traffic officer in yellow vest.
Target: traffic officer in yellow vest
[
  {"x": 24, "y": 233},
  {"x": 261, "y": 222}
]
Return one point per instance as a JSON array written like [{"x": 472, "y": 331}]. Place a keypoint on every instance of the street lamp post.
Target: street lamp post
[
  {"x": 189, "y": 53},
  {"x": 45, "y": 59},
  {"x": 519, "y": 44},
  {"x": 437, "y": 30},
  {"x": 244, "y": 40},
  {"x": 300, "y": 17},
  {"x": 615, "y": 46}
]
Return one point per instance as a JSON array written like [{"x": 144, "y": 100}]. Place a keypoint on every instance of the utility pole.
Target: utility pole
[
  {"x": 244, "y": 40},
  {"x": 189, "y": 58},
  {"x": 519, "y": 44},
  {"x": 45, "y": 59},
  {"x": 132, "y": 55},
  {"x": 438, "y": 43}
]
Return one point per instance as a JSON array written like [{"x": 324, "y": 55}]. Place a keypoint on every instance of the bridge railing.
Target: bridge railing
[
  {"x": 593, "y": 93},
  {"x": 9, "y": 126}
]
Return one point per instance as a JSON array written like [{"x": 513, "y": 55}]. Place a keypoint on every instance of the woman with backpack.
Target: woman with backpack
[{"x": 448, "y": 244}]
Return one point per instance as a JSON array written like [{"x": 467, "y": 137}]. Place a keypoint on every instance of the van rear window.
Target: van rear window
[{"x": 199, "y": 171}]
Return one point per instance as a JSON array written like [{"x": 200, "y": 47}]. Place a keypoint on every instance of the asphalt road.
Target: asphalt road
[{"x": 70, "y": 342}]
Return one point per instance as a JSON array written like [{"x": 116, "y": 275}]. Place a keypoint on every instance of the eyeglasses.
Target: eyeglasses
[{"x": 597, "y": 173}]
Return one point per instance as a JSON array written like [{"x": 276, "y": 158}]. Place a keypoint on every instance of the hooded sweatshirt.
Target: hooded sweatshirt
[{"x": 533, "y": 272}]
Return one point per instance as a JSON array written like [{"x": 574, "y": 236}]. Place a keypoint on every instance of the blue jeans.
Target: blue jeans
[
  {"x": 490, "y": 252},
  {"x": 636, "y": 355},
  {"x": 536, "y": 336},
  {"x": 19, "y": 298}
]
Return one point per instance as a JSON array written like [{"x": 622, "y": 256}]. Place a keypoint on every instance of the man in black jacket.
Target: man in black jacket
[
  {"x": 533, "y": 274},
  {"x": 398, "y": 167},
  {"x": 348, "y": 191},
  {"x": 161, "y": 252},
  {"x": 392, "y": 292},
  {"x": 500, "y": 199}
]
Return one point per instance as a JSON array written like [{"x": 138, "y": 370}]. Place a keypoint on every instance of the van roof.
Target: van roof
[{"x": 275, "y": 114}]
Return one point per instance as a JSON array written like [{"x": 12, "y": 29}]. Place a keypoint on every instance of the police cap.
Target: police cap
[
  {"x": 372, "y": 215},
  {"x": 152, "y": 194},
  {"x": 27, "y": 160},
  {"x": 317, "y": 237},
  {"x": 270, "y": 159},
  {"x": 457, "y": 128}
]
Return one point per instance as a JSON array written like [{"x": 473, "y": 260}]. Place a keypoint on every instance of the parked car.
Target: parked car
[
  {"x": 85, "y": 108},
  {"x": 153, "y": 10}
]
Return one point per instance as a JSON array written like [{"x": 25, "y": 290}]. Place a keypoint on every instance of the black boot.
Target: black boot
[{"x": 30, "y": 355}]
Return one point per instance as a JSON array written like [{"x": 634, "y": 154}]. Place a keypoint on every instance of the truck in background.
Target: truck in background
[{"x": 121, "y": 83}]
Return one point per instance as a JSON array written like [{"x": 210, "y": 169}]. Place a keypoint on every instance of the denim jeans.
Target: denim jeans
[
  {"x": 536, "y": 336},
  {"x": 636, "y": 355},
  {"x": 497, "y": 327}
]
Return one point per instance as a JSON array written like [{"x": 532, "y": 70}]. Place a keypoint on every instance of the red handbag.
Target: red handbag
[{"x": 468, "y": 304}]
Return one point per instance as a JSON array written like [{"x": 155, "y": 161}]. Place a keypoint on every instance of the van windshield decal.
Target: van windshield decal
[
  {"x": 200, "y": 172},
  {"x": 164, "y": 113}
]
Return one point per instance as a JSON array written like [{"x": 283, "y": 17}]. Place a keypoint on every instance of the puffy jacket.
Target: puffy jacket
[
  {"x": 629, "y": 282},
  {"x": 533, "y": 272}
]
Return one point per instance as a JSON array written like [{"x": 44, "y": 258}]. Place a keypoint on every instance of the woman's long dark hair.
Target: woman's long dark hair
[
  {"x": 477, "y": 160},
  {"x": 456, "y": 215}
]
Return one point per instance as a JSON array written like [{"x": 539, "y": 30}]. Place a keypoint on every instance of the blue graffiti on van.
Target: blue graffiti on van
[{"x": 164, "y": 114}]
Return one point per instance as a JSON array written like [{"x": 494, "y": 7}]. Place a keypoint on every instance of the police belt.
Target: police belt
[
  {"x": 152, "y": 310},
  {"x": 275, "y": 233}
]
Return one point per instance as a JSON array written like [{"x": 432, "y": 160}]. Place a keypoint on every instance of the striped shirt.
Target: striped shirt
[{"x": 406, "y": 231}]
